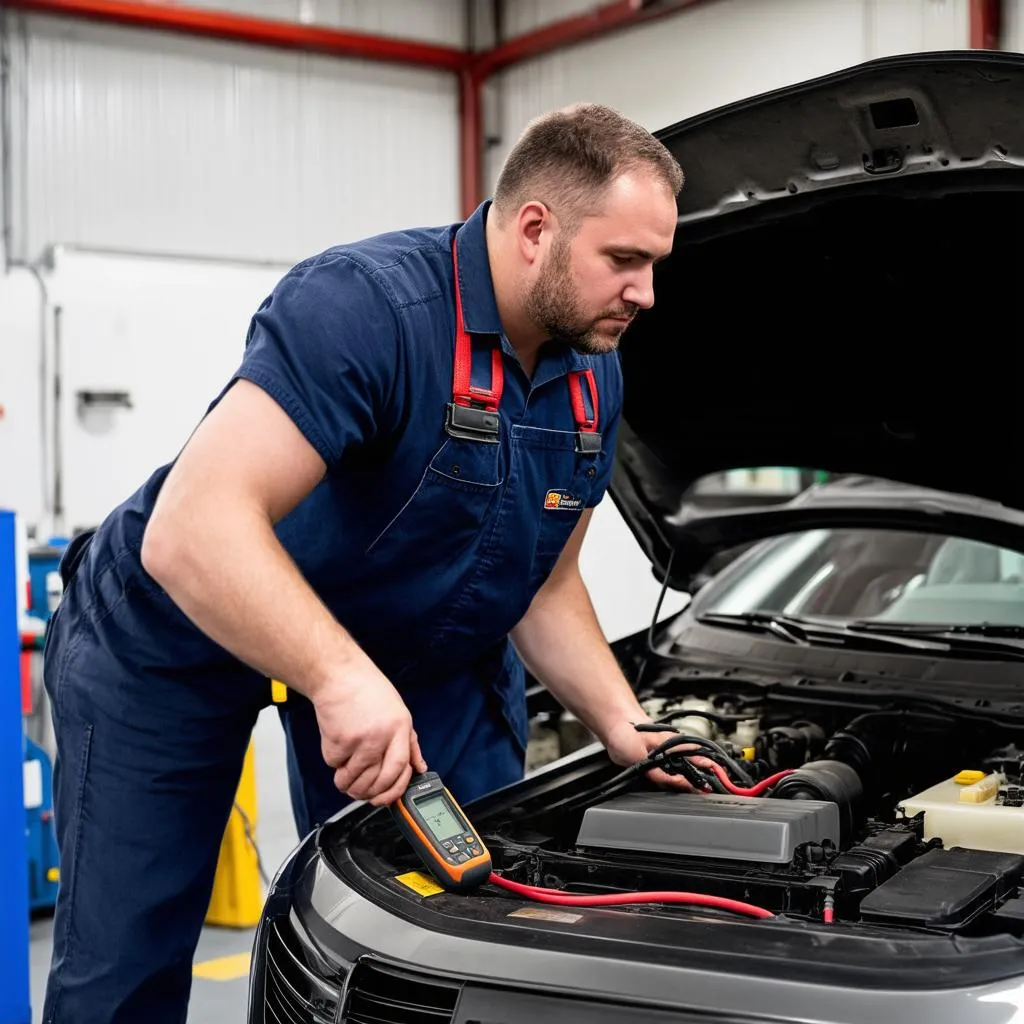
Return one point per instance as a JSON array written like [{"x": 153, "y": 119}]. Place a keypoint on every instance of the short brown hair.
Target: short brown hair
[{"x": 567, "y": 157}]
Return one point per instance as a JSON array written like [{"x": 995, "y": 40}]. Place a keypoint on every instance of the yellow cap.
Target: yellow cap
[
  {"x": 53, "y": 874},
  {"x": 749, "y": 753},
  {"x": 966, "y": 777}
]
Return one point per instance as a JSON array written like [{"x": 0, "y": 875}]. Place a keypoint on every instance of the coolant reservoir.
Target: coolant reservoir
[
  {"x": 746, "y": 733},
  {"x": 968, "y": 810},
  {"x": 696, "y": 725}
]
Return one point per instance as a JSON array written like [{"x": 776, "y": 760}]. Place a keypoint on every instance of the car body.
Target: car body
[{"x": 864, "y": 637}]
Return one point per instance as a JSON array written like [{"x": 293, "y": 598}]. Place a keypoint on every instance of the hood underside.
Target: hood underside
[{"x": 839, "y": 298}]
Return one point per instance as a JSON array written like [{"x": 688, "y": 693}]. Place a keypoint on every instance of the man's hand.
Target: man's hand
[
  {"x": 626, "y": 746},
  {"x": 367, "y": 735}
]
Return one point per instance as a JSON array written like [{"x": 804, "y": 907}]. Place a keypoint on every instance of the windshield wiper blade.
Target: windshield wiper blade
[
  {"x": 983, "y": 638},
  {"x": 995, "y": 629},
  {"x": 753, "y": 622},
  {"x": 814, "y": 634}
]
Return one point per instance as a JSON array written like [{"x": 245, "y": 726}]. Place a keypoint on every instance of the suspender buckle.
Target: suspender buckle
[
  {"x": 468, "y": 423},
  {"x": 585, "y": 411}
]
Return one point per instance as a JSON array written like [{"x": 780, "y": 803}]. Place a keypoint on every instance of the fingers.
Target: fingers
[
  {"x": 365, "y": 758},
  {"x": 663, "y": 779},
  {"x": 395, "y": 762},
  {"x": 379, "y": 775},
  {"x": 387, "y": 798},
  {"x": 415, "y": 755},
  {"x": 701, "y": 762}
]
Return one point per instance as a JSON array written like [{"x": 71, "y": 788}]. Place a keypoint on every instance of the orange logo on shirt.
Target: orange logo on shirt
[{"x": 562, "y": 500}]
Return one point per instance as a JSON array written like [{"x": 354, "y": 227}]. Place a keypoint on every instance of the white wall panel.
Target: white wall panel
[
  {"x": 21, "y": 430},
  {"x": 168, "y": 332},
  {"x": 913, "y": 26},
  {"x": 429, "y": 21},
  {"x": 713, "y": 54},
  {"x": 1013, "y": 25},
  {"x": 128, "y": 139},
  {"x": 523, "y": 16}
]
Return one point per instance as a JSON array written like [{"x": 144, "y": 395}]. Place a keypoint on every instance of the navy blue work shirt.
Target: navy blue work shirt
[{"x": 426, "y": 547}]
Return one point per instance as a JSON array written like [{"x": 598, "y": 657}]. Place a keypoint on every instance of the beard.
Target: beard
[{"x": 553, "y": 304}]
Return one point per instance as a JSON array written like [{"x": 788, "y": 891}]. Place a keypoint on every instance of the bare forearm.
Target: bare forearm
[
  {"x": 229, "y": 574},
  {"x": 560, "y": 641}
]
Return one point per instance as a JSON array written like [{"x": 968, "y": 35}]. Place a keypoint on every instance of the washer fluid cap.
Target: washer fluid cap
[{"x": 966, "y": 777}]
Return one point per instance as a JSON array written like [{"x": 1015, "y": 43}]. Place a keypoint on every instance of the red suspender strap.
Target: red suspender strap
[
  {"x": 583, "y": 396},
  {"x": 473, "y": 411},
  {"x": 584, "y": 400},
  {"x": 464, "y": 391}
]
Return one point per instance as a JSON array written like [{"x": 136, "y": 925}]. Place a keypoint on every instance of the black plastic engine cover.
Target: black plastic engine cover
[{"x": 944, "y": 889}]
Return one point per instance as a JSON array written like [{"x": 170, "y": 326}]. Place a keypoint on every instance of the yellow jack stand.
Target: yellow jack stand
[{"x": 237, "y": 899}]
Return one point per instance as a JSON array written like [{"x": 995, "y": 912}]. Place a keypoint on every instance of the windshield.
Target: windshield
[{"x": 884, "y": 575}]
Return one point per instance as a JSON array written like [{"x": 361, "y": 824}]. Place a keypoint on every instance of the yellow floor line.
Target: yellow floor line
[{"x": 223, "y": 968}]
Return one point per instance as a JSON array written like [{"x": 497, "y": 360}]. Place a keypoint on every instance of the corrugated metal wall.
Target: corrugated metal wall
[
  {"x": 1013, "y": 25},
  {"x": 430, "y": 21},
  {"x": 129, "y": 139},
  {"x": 712, "y": 54}
]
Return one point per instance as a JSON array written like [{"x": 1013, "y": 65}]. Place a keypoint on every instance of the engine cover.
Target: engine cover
[{"x": 758, "y": 829}]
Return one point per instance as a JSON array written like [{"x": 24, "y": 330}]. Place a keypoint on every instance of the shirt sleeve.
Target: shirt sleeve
[
  {"x": 325, "y": 346},
  {"x": 610, "y": 397}
]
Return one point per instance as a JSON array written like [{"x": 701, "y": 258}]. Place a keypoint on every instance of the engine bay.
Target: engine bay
[{"x": 895, "y": 817}]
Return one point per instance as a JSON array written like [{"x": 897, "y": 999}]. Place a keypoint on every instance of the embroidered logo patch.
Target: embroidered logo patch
[{"x": 562, "y": 500}]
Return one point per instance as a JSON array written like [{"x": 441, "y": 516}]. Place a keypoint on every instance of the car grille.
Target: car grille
[
  {"x": 294, "y": 994},
  {"x": 381, "y": 994}
]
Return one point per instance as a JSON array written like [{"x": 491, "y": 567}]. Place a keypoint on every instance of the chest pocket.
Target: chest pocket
[
  {"x": 447, "y": 512},
  {"x": 559, "y": 481}
]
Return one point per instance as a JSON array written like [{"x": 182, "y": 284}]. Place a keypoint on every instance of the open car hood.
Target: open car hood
[{"x": 839, "y": 298}]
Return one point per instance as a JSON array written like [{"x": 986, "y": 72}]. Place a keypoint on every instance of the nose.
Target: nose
[{"x": 640, "y": 289}]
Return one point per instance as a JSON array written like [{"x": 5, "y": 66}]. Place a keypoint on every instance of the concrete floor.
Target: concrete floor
[{"x": 214, "y": 1002}]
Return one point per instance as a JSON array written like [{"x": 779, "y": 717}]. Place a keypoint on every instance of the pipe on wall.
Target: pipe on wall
[{"x": 986, "y": 17}]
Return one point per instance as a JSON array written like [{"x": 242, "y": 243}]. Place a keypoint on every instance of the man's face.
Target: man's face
[{"x": 589, "y": 288}]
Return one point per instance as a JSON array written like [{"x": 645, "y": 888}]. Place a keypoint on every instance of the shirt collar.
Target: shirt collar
[{"x": 479, "y": 306}]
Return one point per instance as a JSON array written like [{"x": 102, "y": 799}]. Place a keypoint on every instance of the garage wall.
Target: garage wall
[
  {"x": 709, "y": 55},
  {"x": 236, "y": 161},
  {"x": 130, "y": 139},
  {"x": 167, "y": 332},
  {"x": 1013, "y": 26}
]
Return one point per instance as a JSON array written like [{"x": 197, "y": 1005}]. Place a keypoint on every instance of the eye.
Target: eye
[{"x": 621, "y": 261}]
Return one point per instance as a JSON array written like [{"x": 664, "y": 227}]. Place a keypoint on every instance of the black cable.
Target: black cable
[
  {"x": 740, "y": 774},
  {"x": 657, "y": 607},
  {"x": 718, "y": 717}
]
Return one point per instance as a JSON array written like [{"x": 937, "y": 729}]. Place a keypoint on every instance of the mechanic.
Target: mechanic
[{"x": 383, "y": 509}]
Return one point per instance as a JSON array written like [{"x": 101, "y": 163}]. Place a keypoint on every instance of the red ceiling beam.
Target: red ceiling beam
[
  {"x": 473, "y": 69},
  {"x": 557, "y": 35},
  {"x": 241, "y": 28},
  {"x": 986, "y": 24},
  {"x": 601, "y": 21}
]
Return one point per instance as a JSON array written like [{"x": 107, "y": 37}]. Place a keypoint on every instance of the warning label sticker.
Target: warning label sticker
[
  {"x": 547, "y": 914},
  {"x": 421, "y": 884}
]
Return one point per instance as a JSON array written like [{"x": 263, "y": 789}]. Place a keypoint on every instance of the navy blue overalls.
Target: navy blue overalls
[{"x": 453, "y": 482}]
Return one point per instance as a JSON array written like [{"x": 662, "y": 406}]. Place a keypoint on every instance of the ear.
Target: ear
[{"x": 532, "y": 222}]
